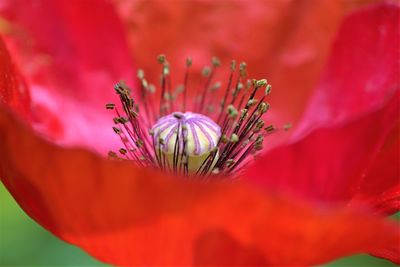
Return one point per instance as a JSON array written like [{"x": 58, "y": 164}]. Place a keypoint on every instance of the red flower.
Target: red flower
[{"x": 306, "y": 208}]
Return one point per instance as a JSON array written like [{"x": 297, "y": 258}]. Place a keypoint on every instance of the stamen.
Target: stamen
[
  {"x": 190, "y": 143},
  {"x": 185, "y": 83}
]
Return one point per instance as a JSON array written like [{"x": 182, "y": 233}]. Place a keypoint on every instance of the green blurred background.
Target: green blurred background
[{"x": 25, "y": 243}]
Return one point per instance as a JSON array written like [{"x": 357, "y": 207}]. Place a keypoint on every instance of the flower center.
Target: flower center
[
  {"x": 216, "y": 136},
  {"x": 186, "y": 140}
]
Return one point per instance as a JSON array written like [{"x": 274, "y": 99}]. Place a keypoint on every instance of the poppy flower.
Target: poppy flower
[{"x": 320, "y": 194}]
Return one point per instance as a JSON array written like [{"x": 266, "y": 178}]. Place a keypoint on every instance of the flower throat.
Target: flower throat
[{"x": 207, "y": 137}]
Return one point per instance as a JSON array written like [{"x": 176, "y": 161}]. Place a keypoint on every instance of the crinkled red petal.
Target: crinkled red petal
[{"x": 124, "y": 215}]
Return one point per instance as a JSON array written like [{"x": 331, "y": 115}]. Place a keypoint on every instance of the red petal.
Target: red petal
[
  {"x": 83, "y": 43},
  {"x": 360, "y": 78},
  {"x": 284, "y": 41},
  {"x": 381, "y": 185},
  {"x": 73, "y": 52},
  {"x": 13, "y": 91},
  {"x": 128, "y": 216},
  {"x": 329, "y": 164},
  {"x": 362, "y": 71}
]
